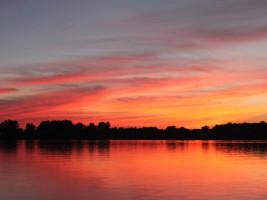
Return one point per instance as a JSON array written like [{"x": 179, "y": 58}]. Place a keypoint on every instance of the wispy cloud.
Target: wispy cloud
[
  {"x": 176, "y": 62},
  {"x": 7, "y": 90}
]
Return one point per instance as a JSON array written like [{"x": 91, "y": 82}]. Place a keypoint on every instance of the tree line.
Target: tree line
[{"x": 66, "y": 129}]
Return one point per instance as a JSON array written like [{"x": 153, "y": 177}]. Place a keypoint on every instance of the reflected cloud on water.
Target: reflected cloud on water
[{"x": 132, "y": 169}]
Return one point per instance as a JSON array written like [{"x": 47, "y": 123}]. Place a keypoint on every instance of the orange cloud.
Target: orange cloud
[{"x": 134, "y": 91}]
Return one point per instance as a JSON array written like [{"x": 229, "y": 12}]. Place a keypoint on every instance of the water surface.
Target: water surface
[{"x": 133, "y": 170}]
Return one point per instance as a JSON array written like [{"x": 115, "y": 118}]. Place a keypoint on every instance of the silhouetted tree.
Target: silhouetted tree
[
  {"x": 103, "y": 126},
  {"x": 65, "y": 129},
  {"x": 9, "y": 129},
  {"x": 30, "y": 128}
]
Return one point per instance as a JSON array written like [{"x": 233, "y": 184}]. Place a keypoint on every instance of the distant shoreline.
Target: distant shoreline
[{"x": 67, "y": 130}]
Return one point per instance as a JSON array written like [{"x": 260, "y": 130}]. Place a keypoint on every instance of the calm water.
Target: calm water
[{"x": 123, "y": 170}]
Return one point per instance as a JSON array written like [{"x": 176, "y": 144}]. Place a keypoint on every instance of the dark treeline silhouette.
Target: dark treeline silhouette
[{"x": 66, "y": 129}]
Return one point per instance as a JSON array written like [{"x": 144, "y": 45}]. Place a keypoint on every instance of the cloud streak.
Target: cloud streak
[
  {"x": 7, "y": 90},
  {"x": 177, "y": 62}
]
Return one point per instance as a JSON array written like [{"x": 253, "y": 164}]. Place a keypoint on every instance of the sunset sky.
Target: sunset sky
[{"x": 134, "y": 62}]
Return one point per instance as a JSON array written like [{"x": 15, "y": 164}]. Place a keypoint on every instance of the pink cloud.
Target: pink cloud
[
  {"x": 52, "y": 103},
  {"x": 103, "y": 68},
  {"x": 7, "y": 90}
]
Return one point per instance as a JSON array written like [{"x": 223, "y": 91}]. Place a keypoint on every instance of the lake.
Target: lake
[{"x": 122, "y": 170}]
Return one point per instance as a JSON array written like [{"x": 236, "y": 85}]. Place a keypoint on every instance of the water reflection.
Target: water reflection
[
  {"x": 67, "y": 147},
  {"x": 247, "y": 148},
  {"x": 176, "y": 145},
  {"x": 8, "y": 146},
  {"x": 133, "y": 170}
]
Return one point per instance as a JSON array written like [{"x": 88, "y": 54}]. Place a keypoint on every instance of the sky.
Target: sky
[{"x": 134, "y": 63}]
